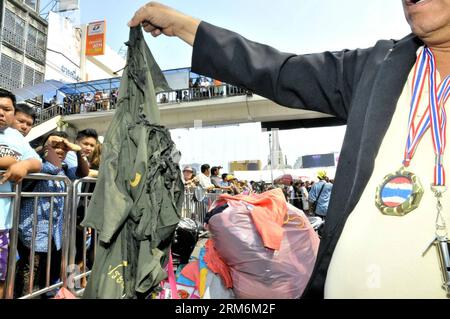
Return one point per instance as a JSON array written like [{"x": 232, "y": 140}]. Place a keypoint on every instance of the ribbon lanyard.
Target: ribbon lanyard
[{"x": 434, "y": 117}]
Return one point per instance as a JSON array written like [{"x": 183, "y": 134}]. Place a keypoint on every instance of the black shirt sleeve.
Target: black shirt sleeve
[{"x": 322, "y": 82}]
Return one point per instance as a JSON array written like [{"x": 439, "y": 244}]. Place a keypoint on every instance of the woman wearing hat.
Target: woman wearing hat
[{"x": 189, "y": 177}]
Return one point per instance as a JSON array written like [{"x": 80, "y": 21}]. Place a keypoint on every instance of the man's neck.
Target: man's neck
[{"x": 442, "y": 55}]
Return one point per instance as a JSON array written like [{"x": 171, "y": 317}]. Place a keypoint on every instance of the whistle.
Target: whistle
[{"x": 443, "y": 246}]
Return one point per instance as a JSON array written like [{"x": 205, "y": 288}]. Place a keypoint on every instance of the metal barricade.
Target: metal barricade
[
  {"x": 14, "y": 232},
  {"x": 197, "y": 209},
  {"x": 10, "y": 276},
  {"x": 71, "y": 274},
  {"x": 81, "y": 198},
  {"x": 188, "y": 207},
  {"x": 209, "y": 200}
]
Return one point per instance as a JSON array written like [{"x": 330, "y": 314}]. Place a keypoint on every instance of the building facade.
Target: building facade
[
  {"x": 63, "y": 50},
  {"x": 23, "y": 44},
  {"x": 255, "y": 165}
]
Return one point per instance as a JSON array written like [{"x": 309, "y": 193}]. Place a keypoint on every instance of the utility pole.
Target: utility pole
[
  {"x": 83, "y": 53},
  {"x": 271, "y": 157}
]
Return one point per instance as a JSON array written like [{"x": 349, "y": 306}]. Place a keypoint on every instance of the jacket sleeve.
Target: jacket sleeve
[{"x": 322, "y": 82}]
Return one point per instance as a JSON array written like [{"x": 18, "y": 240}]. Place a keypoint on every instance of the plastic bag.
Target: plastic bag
[{"x": 259, "y": 272}]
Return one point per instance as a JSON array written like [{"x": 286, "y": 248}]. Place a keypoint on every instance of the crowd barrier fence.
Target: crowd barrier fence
[
  {"x": 19, "y": 195},
  {"x": 73, "y": 271}
]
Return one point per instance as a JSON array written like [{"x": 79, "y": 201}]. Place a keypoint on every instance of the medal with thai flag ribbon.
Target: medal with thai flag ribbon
[{"x": 401, "y": 192}]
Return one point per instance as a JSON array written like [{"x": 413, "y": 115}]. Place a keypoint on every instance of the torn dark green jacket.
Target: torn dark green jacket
[{"x": 138, "y": 198}]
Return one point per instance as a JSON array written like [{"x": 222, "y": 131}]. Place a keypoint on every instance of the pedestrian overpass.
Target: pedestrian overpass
[
  {"x": 191, "y": 107},
  {"x": 215, "y": 112}
]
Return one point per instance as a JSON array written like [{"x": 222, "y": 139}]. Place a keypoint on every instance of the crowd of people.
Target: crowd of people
[
  {"x": 57, "y": 155},
  {"x": 201, "y": 88},
  {"x": 211, "y": 180},
  {"x": 310, "y": 196},
  {"x": 88, "y": 102}
]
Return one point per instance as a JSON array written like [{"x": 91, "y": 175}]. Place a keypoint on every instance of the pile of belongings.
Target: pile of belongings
[{"x": 260, "y": 248}]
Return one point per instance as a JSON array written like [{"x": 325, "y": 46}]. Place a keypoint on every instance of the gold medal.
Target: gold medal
[{"x": 399, "y": 193}]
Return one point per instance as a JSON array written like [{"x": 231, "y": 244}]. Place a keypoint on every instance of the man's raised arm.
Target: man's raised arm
[{"x": 159, "y": 19}]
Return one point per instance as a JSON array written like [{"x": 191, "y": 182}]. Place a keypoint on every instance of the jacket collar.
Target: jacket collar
[{"x": 388, "y": 87}]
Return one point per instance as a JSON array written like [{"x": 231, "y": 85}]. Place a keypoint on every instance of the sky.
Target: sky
[{"x": 296, "y": 26}]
